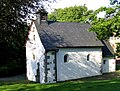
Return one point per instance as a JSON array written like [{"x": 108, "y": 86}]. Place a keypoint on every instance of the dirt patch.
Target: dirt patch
[{"x": 14, "y": 78}]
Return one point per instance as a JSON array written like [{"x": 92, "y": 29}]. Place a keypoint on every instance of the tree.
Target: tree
[
  {"x": 112, "y": 2},
  {"x": 13, "y": 15},
  {"x": 109, "y": 25},
  {"x": 118, "y": 50},
  {"x": 71, "y": 14},
  {"x": 13, "y": 31}
]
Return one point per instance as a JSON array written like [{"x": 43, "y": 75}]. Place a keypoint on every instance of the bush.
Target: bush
[
  {"x": 11, "y": 69},
  {"x": 12, "y": 60},
  {"x": 118, "y": 67}
]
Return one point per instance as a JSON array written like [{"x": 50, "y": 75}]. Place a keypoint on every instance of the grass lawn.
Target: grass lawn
[{"x": 107, "y": 82}]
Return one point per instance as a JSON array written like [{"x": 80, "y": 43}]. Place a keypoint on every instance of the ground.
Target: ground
[
  {"x": 106, "y": 76},
  {"x": 14, "y": 78},
  {"x": 106, "y": 82}
]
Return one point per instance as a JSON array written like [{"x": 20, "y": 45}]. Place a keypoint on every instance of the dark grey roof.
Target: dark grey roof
[
  {"x": 67, "y": 34},
  {"x": 107, "y": 49}
]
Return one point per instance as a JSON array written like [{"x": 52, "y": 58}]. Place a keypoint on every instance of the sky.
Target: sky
[{"x": 91, "y": 4}]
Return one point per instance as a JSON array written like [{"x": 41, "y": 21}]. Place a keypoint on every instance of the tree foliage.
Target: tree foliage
[
  {"x": 71, "y": 14},
  {"x": 109, "y": 25},
  {"x": 118, "y": 50},
  {"x": 112, "y": 2},
  {"x": 13, "y": 15},
  {"x": 13, "y": 30}
]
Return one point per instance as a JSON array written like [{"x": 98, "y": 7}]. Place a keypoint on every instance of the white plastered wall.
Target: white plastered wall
[
  {"x": 109, "y": 65},
  {"x": 34, "y": 55},
  {"x": 77, "y": 65}
]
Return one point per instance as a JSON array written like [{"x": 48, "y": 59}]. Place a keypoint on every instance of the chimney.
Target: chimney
[{"x": 42, "y": 17}]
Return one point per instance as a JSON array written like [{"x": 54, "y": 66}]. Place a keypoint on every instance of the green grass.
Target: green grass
[
  {"x": 102, "y": 85},
  {"x": 108, "y": 82}
]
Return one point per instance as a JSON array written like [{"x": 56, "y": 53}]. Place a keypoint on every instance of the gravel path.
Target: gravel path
[
  {"x": 14, "y": 78},
  {"x": 102, "y": 77}
]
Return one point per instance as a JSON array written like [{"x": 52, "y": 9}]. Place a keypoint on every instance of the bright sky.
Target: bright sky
[{"x": 91, "y": 4}]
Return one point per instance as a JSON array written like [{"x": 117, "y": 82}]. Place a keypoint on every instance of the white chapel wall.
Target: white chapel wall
[
  {"x": 108, "y": 65},
  {"x": 34, "y": 55},
  {"x": 77, "y": 65}
]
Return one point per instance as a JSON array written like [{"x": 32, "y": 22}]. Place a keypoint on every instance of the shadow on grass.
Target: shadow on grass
[{"x": 86, "y": 86}]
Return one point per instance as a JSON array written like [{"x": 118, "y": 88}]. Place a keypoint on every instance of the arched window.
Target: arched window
[
  {"x": 66, "y": 58},
  {"x": 88, "y": 57}
]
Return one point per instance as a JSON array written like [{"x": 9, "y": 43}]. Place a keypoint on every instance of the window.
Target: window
[
  {"x": 88, "y": 57},
  {"x": 34, "y": 37},
  {"x": 33, "y": 56},
  {"x": 104, "y": 61},
  {"x": 48, "y": 68},
  {"x": 53, "y": 53},
  {"x": 65, "y": 58},
  {"x": 54, "y": 68},
  {"x": 33, "y": 29}
]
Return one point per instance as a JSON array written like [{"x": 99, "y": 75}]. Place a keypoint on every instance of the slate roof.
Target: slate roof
[
  {"x": 67, "y": 34},
  {"x": 107, "y": 49}
]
